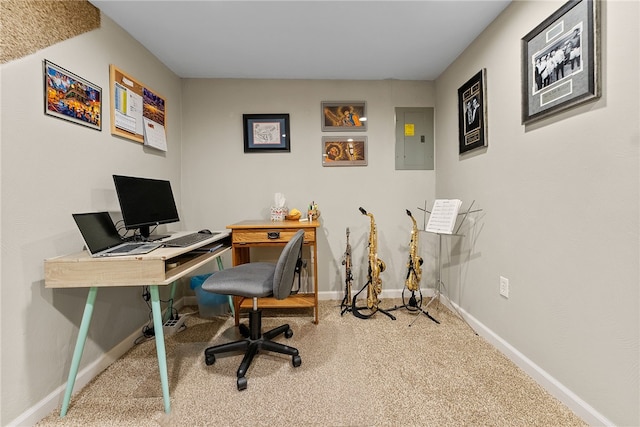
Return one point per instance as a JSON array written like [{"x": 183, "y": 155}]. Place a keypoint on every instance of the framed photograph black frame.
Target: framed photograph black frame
[
  {"x": 561, "y": 61},
  {"x": 266, "y": 133},
  {"x": 341, "y": 116},
  {"x": 344, "y": 150},
  {"x": 70, "y": 97},
  {"x": 472, "y": 113}
]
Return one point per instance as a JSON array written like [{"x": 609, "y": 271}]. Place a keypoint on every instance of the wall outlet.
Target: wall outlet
[{"x": 504, "y": 287}]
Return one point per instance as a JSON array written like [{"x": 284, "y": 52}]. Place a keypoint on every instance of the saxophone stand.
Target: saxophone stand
[
  {"x": 414, "y": 304},
  {"x": 344, "y": 305},
  {"x": 356, "y": 310}
]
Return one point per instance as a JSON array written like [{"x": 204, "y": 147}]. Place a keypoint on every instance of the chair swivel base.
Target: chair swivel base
[{"x": 254, "y": 342}]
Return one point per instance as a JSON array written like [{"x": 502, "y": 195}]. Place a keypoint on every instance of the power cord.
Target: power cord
[{"x": 148, "y": 331}]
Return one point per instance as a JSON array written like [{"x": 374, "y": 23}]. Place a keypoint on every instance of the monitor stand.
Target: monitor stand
[{"x": 147, "y": 237}]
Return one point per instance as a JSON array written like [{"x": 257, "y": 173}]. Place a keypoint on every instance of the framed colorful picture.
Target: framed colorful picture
[
  {"x": 561, "y": 61},
  {"x": 266, "y": 133},
  {"x": 472, "y": 113},
  {"x": 344, "y": 116},
  {"x": 70, "y": 97},
  {"x": 344, "y": 151}
]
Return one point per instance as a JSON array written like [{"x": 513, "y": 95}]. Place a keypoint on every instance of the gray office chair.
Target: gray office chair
[{"x": 256, "y": 280}]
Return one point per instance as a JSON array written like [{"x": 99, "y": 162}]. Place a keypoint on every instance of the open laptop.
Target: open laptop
[{"x": 102, "y": 238}]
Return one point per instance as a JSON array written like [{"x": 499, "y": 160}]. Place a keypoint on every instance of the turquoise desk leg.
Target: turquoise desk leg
[
  {"x": 220, "y": 267},
  {"x": 160, "y": 349},
  {"x": 77, "y": 353}
]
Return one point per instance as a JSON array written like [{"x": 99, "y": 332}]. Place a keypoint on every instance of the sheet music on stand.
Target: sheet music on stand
[{"x": 443, "y": 216}]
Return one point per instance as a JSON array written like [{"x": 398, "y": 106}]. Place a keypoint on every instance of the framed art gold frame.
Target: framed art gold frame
[
  {"x": 344, "y": 116},
  {"x": 344, "y": 151}
]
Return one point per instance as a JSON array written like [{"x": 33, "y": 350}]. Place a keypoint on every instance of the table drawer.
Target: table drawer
[{"x": 269, "y": 235}]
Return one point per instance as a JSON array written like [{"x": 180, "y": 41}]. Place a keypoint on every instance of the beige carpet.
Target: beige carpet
[{"x": 354, "y": 373}]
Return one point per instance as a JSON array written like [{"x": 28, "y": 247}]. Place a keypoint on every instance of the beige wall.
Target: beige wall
[
  {"x": 50, "y": 169},
  {"x": 560, "y": 219},
  {"x": 222, "y": 184},
  {"x": 546, "y": 190}
]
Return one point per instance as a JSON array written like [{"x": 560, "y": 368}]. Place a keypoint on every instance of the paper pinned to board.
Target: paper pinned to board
[{"x": 154, "y": 135}]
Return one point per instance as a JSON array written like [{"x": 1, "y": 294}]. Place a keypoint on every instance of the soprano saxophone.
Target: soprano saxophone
[
  {"x": 346, "y": 261},
  {"x": 374, "y": 282}
]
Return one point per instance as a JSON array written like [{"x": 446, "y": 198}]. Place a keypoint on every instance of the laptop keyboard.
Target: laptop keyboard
[
  {"x": 126, "y": 248},
  {"x": 188, "y": 240}
]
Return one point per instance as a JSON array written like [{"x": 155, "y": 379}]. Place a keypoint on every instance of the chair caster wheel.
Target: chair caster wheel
[
  {"x": 209, "y": 359},
  {"x": 242, "y": 383},
  {"x": 296, "y": 361},
  {"x": 288, "y": 333}
]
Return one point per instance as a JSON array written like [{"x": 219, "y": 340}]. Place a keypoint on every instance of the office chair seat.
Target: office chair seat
[{"x": 256, "y": 280}]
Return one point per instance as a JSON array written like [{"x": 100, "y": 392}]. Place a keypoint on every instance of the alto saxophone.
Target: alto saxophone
[
  {"x": 374, "y": 282},
  {"x": 346, "y": 261},
  {"x": 414, "y": 274}
]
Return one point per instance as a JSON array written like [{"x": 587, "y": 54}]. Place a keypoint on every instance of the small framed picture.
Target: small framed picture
[
  {"x": 472, "y": 113},
  {"x": 561, "y": 61},
  {"x": 344, "y": 116},
  {"x": 266, "y": 133},
  {"x": 344, "y": 151},
  {"x": 70, "y": 97}
]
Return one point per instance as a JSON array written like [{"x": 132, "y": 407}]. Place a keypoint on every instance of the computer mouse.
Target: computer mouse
[{"x": 205, "y": 231}]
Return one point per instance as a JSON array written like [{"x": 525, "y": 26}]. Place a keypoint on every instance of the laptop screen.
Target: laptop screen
[{"x": 98, "y": 231}]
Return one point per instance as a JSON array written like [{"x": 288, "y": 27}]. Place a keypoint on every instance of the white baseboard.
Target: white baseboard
[
  {"x": 54, "y": 400},
  {"x": 85, "y": 375},
  {"x": 546, "y": 381},
  {"x": 550, "y": 384}
]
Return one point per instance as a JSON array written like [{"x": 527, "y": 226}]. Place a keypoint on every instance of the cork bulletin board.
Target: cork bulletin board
[{"x": 133, "y": 106}]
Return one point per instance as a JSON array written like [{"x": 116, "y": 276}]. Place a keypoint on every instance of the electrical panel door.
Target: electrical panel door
[{"x": 414, "y": 138}]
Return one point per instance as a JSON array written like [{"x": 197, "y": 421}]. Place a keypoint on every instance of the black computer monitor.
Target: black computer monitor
[{"x": 145, "y": 202}]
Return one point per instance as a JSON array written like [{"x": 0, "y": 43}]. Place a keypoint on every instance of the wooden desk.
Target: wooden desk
[
  {"x": 161, "y": 267},
  {"x": 255, "y": 233}
]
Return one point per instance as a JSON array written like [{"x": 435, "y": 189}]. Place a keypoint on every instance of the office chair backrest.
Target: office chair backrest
[{"x": 286, "y": 266}]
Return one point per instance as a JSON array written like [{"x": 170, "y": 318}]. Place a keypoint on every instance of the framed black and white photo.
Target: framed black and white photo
[
  {"x": 266, "y": 133},
  {"x": 561, "y": 60},
  {"x": 472, "y": 113}
]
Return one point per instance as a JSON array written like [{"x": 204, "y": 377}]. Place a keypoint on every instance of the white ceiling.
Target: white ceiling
[{"x": 305, "y": 39}]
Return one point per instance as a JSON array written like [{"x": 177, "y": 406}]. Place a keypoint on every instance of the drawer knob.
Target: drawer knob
[{"x": 273, "y": 235}]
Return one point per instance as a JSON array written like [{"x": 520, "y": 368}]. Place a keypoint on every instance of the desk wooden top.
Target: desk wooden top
[
  {"x": 260, "y": 223},
  {"x": 159, "y": 267}
]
